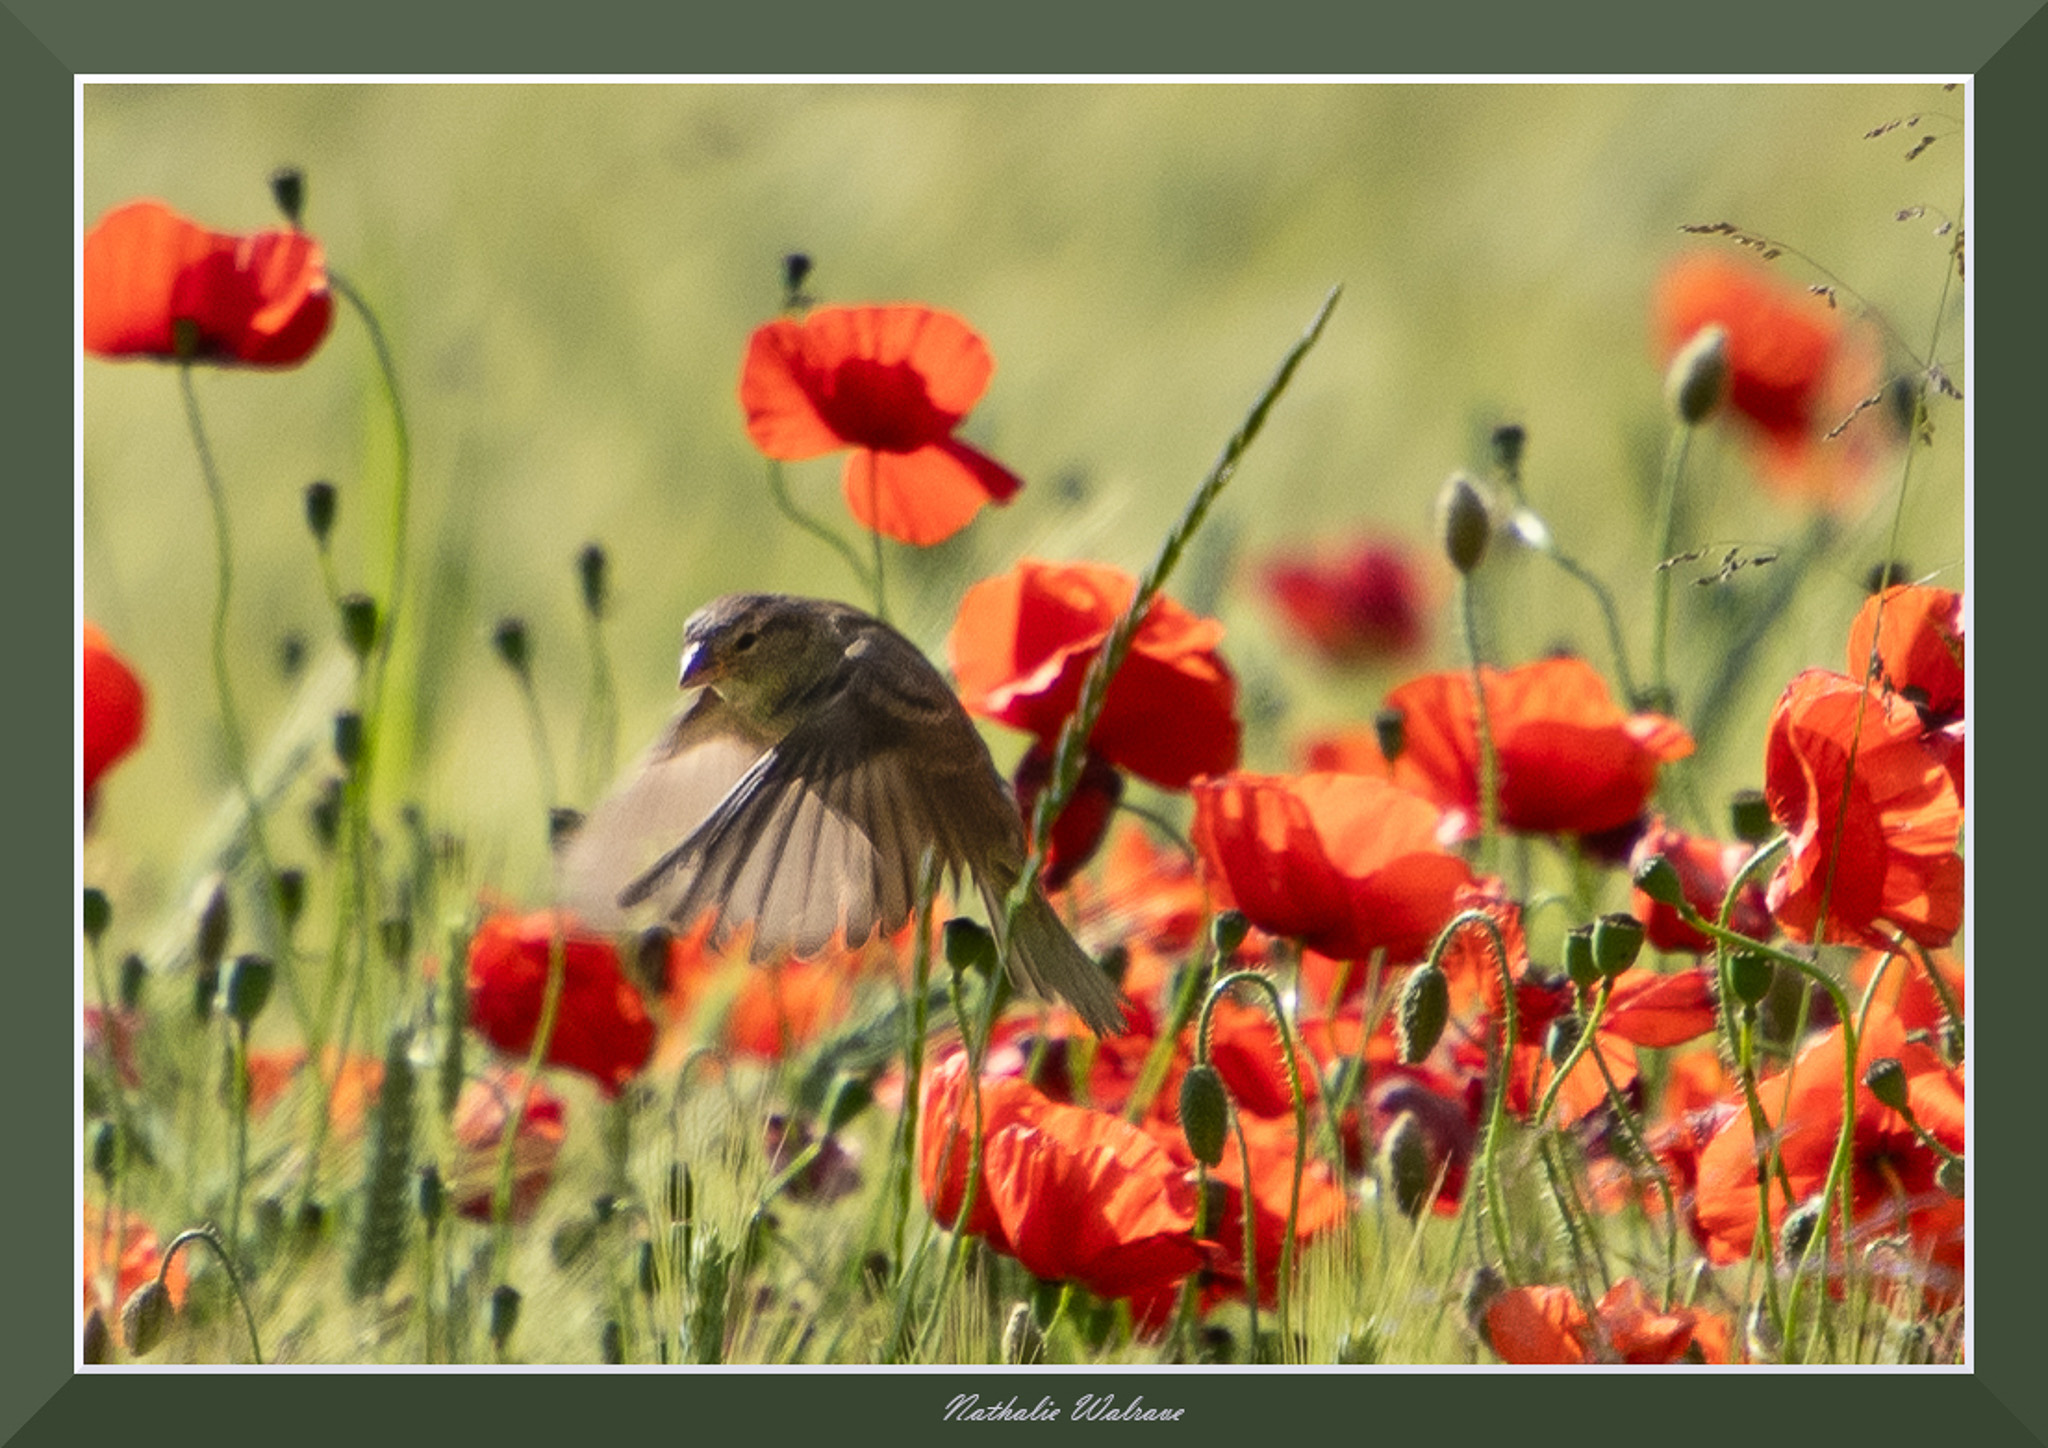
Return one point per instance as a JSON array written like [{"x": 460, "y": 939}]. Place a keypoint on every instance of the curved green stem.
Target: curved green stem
[
  {"x": 212, "y": 1239},
  {"x": 1660, "y": 592},
  {"x": 1496, "y": 1120},
  {"x": 778, "y": 492}
]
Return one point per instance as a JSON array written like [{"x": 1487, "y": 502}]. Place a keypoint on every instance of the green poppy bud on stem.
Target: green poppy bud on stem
[
  {"x": 1561, "y": 1037},
  {"x": 1617, "y": 941},
  {"x": 290, "y": 885},
  {"x": 1751, "y": 975},
  {"x": 1749, "y": 815},
  {"x": 1390, "y": 727},
  {"x": 1950, "y": 1176},
  {"x": 348, "y": 739},
  {"x": 248, "y": 988},
  {"x": 359, "y": 624},
  {"x": 134, "y": 972},
  {"x": 592, "y": 572},
  {"x": 1227, "y": 932},
  {"x": 1508, "y": 441},
  {"x": 504, "y": 1314},
  {"x": 1886, "y": 1079},
  {"x": 1462, "y": 523},
  {"x": 98, "y": 1342},
  {"x": 1424, "y": 1008},
  {"x": 210, "y": 940},
  {"x": 1658, "y": 878},
  {"x": 509, "y": 639},
  {"x": 106, "y": 1146},
  {"x": 1697, "y": 379},
  {"x": 1204, "y": 1112},
  {"x": 1578, "y": 957},
  {"x": 1800, "y": 1225},
  {"x": 969, "y": 946},
  {"x": 97, "y": 914},
  {"x": 1404, "y": 1165},
  {"x": 320, "y": 506},
  {"x": 288, "y": 189},
  {"x": 146, "y": 1317},
  {"x": 433, "y": 1197}
]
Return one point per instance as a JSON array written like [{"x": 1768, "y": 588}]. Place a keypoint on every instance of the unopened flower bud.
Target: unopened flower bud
[
  {"x": 1889, "y": 574},
  {"x": 97, "y": 913},
  {"x": 1405, "y": 1169},
  {"x": 1949, "y": 1176},
  {"x": 320, "y": 506},
  {"x": 1751, "y": 976},
  {"x": 509, "y": 639},
  {"x": 1560, "y": 1038},
  {"x": 611, "y": 1343},
  {"x": 1902, "y": 405},
  {"x": 134, "y": 973},
  {"x": 359, "y": 624},
  {"x": 1508, "y": 441},
  {"x": 98, "y": 1342},
  {"x": 1023, "y": 1343},
  {"x": 1617, "y": 941},
  {"x": 1797, "y": 1232},
  {"x": 1886, "y": 1079},
  {"x": 1749, "y": 815},
  {"x": 1578, "y": 957},
  {"x": 1424, "y": 1008},
  {"x": 1227, "y": 932},
  {"x": 348, "y": 739},
  {"x": 433, "y": 1197},
  {"x": 1658, "y": 878},
  {"x": 290, "y": 885},
  {"x": 1204, "y": 1112},
  {"x": 504, "y": 1314},
  {"x": 796, "y": 269},
  {"x": 1463, "y": 523},
  {"x": 288, "y": 189},
  {"x": 969, "y": 946},
  {"x": 324, "y": 814},
  {"x": 146, "y": 1317},
  {"x": 210, "y": 940},
  {"x": 1697, "y": 379},
  {"x": 106, "y": 1151},
  {"x": 248, "y": 987},
  {"x": 1390, "y": 727},
  {"x": 592, "y": 570}
]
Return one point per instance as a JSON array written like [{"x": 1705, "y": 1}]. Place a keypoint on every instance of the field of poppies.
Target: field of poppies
[{"x": 1467, "y": 584}]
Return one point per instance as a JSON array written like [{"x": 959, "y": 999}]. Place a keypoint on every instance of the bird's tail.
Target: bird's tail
[{"x": 1046, "y": 959}]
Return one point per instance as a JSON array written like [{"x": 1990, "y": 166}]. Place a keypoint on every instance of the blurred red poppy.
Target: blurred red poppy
[
  {"x": 260, "y": 300},
  {"x": 1083, "y": 825},
  {"x": 1073, "y": 1194},
  {"x": 1870, "y": 846},
  {"x": 891, "y": 383},
  {"x": 601, "y": 1027},
  {"x": 121, "y": 1254},
  {"x": 486, "y": 1104},
  {"x": 353, "y": 1091},
  {"x": 1892, "y": 1175},
  {"x": 112, "y": 707},
  {"x": 1547, "y": 1325},
  {"x": 1915, "y": 649},
  {"x": 1363, "y": 603},
  {"x": 1022, "y": 643},
  {"x": 1571, "y": 762},
  {"x": 1705, "y": 870},
  {"x": 1796, "y": 367},
  {"x": 1345, "y": 863},
  {"x": 785, "y": 1005}
]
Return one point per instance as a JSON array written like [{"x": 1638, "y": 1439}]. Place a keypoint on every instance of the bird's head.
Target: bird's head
[{"x": 758, "y": 650}]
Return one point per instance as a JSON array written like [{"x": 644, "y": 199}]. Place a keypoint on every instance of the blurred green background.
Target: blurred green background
[{"x": 569, "y": 273}]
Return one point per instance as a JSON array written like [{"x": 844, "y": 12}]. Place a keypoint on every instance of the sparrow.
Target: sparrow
[{"x": 820, "y": 755}]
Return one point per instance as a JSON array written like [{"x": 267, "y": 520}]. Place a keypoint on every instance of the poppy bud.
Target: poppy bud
[
  {"x": 1697, "y": 379},
  {"x": 1658, "y": 878},
  {"x": 146, "y": 1317},
  {"x": 796, "y": 269},
  {"x": 320, "y": 505},
  {"x": 359, "y": 624},
  {"x": 611, "y": 1343},
  {"x": 1749, "y": 814},
  {"x": 248, "y": 989},
  {"x": 348, "y": 739},
  {"x": 97, "y": 1341},
  {"x": 504, "y": 1314},
  {"x": 1023, "y": 1343},
  {"x": 1227, "y": 932},
  {"x": 1204, "y": 1112},
  {"x": 433, "y": 1197},
  {"x": 1950, "y": 1176},
  {"x": 291, "y": 654},
  {"x": 1902, "y": 404},
  {"x": 1798, "y": 1229},
  {"x": 1886, "y": 1079},
  {"x": 288, "y": 189},
  {"x": 969, "y": 946},
  {"x": 106, "y": 1145},
  {"x": 592, "y": 568},
  {"x": 1561, "y": 1037},
  {"x": 1888, "y": 574},
  {"x": 647, "y": 961},
  {"x": 509, "y": 639},
  {"x": 290, "y": 887},
  {"x": 394, "y": 934},
  {"x": 1508, "y": 441},
  {"x": 97, "y": 914},
  {"x": 1617, "y": 941},
  {"x": 562, "y": 823},
  {"x": 1463, "y": 523},
  {"x": 1424, "y": 1008},
  {"x": 1578, "y": 956},
  {"x": 210, "y": 940},
  {"x": 133, "y": 973},
  {"x": 1404, "y": 1165},
  {"x": 1390, "y": 727},
  {"x": 324, "y": 814},
  {"x": 1482, "y": 1290},
  {"x": 1751, "y": 975}
]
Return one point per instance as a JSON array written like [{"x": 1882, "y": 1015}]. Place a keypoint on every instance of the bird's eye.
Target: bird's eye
[{"x": 745, "y": 641}]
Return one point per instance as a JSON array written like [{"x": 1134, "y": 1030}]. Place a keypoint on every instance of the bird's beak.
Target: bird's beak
[{"x": 697, "y": 666}]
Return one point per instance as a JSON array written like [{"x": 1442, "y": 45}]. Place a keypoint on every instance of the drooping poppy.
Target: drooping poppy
[
  {"x": 1571, "y": 761},
  {"x": 1022, "y": 643},
  {"x": 1345, "y": 863},
  {"x": 892, "y": 383},
  {"x": 121, "y": 1254},
  {"x": 1705, "y": 870},
  {"x": 601, "y": 1026},
  {"x": 481, "y": 1112},
  {"x": 1892, "y": 1188},
  {"x": 1871, "y": 845},
  {"x": 1797, "y": 368},
  {"x": 112, "y": 707},
  {"x": 1361, "y": 604},
  {"x": 1909, "y": 640},
  {"x": 260, "y": 300}
]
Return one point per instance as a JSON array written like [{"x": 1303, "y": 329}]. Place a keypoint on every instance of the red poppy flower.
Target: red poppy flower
[
  {"x": 1073, "y": 1194},
  {"x": 784, "y": 1006},
  {"x": 1022, "y": 643},
  {"x": 1345, "y": 863},
  {"x": 353, "y": 1092},
  {"x": 1362, "y": 604},
  {"x": 1547, "y": 1325},
  {"x": 1916, "y": 650},
  {"x": 1571, "y": 762},
  {"x": 122, "y": 1254},
  {"x": 1878, "y": 845},
  {"x": 601, "y": 1027},
  {"x": 1796, "y": 367},
  {"x": 1892, "y": 1186},
  {"x": 261, "y": 300},
  {"x": 1083, "y": 825},
  {"x": 111, "y": 705},
  {"x": 1705, "y": 869},
  {"x": 1660, "y": 1011},
  {"x": 891, "y": 383},
  {"x": 486, "y": 1104}
]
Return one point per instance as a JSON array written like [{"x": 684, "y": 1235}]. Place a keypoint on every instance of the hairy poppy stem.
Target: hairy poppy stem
[
  {"x": 212, "y": 1239},
  {"x": 1489, "y": 760}
]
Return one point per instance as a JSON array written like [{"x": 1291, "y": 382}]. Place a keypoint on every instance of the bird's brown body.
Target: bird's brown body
[{"x": 822, "y": 755}]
